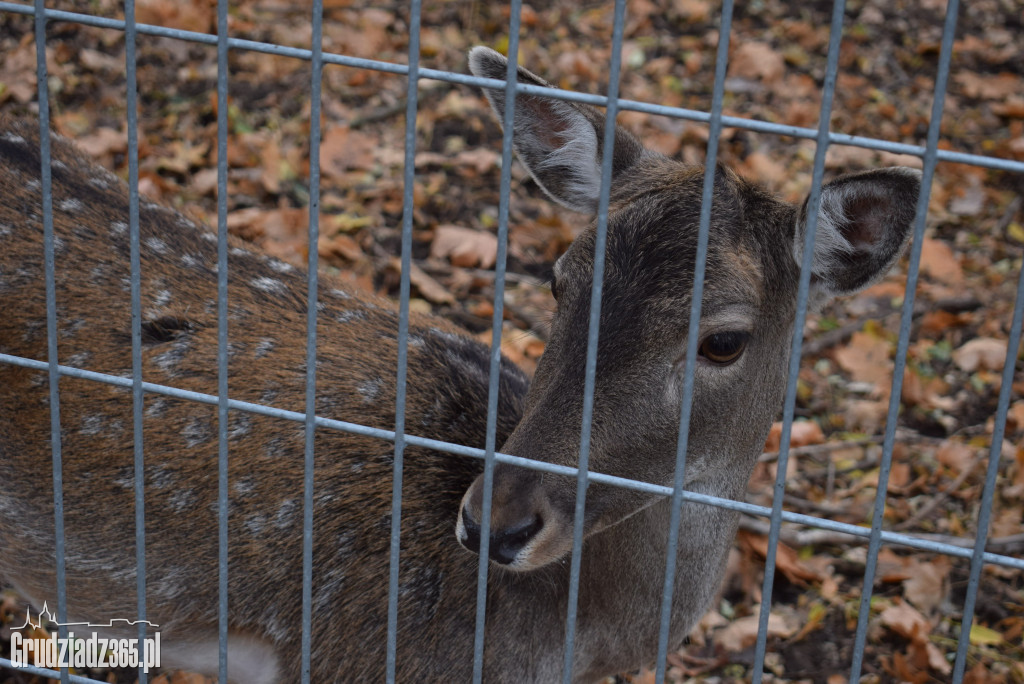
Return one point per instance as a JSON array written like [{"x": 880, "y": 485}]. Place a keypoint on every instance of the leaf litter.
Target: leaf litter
[{"x": 971, "y": 255}]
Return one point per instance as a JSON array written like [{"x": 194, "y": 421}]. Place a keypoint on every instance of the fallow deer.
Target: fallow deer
[{"x": 745, "y": 331}]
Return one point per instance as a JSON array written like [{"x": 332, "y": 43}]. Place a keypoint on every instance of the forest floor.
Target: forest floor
[{"x": 971, "y": 252}]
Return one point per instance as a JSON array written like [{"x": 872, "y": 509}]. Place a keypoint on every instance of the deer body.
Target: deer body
[{"x": 749, "y": 303}]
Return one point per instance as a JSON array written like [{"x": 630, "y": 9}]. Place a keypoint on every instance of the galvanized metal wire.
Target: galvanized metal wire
[{"x": 823, "y": 137}]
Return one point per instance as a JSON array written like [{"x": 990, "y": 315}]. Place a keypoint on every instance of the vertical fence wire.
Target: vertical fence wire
[
  {"x": 590, "y": 370},
  {"x": 412, "y": 93},
  {"x": 135, "y": 276},
  {"x": 222, "y": 340},
  {"x": 693, "y": 337},
  {"x": 49, "y": 244},
  {"x": 988, "y": 495},
  {"x": 511, "y": 81},
  {"x": 803, "y": 291},
  {"x": 906, "y": 318},
  {"x": 317, "y": 64}
]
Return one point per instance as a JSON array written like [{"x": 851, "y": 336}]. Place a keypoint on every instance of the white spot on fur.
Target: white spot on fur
[
  {"x": 79, "y": 359},
  {"x": 156, "y": 407},
  {"x": 280, "y": 266},
  {"x": 369, "y": 389},
  {"x": 118, "y": 228},
  {"x": 286, "y": 514},
  {"x": 10, "y": 137},
  {"x": 196, "y": 432},
  {"x": 181, "y": 500},
  {"x": 350, "y": 315},
  {"x": 340, "y": 294},
  {"x": 163, "y": 297},
  {"x": 71, "y": 205},
  {"x": 254, "y": 523},
  {"x": 264, "y": 347},
  {"x": 268, "y": 285},
  {"x": 156, "y": 244},
  {"x": 92, "y": 424}
]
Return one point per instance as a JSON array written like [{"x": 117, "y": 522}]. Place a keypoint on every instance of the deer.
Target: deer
[{"x": 749, "y": 307}]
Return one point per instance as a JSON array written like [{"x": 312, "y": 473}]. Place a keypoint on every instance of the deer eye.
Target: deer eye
[{"x": 723, "y": 348}]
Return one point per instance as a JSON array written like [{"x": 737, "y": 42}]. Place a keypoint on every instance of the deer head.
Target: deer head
[{"x": 748, "y": 311}]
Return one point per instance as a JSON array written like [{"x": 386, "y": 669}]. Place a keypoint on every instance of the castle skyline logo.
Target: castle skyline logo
[
  {"x": 51, "y": 619},
  {"x": 91, "y": 651}
]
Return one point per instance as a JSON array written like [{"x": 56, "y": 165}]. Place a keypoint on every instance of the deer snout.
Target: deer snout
[{"x": 525, "y": 532}]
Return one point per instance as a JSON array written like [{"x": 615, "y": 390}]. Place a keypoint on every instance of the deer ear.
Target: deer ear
[
  {"x": 559, "y": 142},
  {"x": 864, "y": 223}
]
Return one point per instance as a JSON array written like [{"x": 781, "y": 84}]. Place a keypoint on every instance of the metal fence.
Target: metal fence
[{"x": 823, "y": 137}]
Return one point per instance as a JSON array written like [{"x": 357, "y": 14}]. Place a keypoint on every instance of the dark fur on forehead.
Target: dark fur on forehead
[{"x": 653, "y": 233}]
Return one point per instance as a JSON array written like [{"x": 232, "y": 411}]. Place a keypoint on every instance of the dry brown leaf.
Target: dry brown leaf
[
  {"x": 996, "y": 87},
  {"x": 956, "y": 456},
  {"x": 428, "y": 287},
  {"x": 693, "y": 10},
  {"x": 742, "y": 633},
  {"x": 866, "y": 359},
  {"x": 464, "y": 246},
  {"x": 906, "y": 621},
  {"x": 787, "y": 560},
  {"x": 926, "y": 588},
  {"x": 343, "y": 149},
  {"x": 340, "y": 245},
  {"x": 757, "y": 61},
  {"x": 103, "y": 141},
  {"x": 188, "y": 15},
  {"x": 803, "y": 433},
  {"x": 926, "y": 392},
  {"x": 939, "y": 262},
  {"x": 981, "y": 352}
]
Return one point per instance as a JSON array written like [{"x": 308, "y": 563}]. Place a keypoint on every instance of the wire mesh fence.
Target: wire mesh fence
[{"x": 931, "y": 153}]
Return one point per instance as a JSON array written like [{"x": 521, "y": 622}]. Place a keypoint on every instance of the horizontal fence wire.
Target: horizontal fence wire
[
  {"x": 568, "y": 95},
  {"x": 907, "y": 540},
  {"x": 972, "y": 549}
]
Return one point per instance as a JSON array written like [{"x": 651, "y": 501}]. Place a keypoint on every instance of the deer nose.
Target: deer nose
[{"x": 505, "y": 543}]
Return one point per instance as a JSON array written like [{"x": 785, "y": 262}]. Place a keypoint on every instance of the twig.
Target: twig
[
  {"x": 816, "y": 537},
  {"x": 1004, "y": 220},
  {"x": 391, "y": 110},
  {"x": 938, "y": 499}
]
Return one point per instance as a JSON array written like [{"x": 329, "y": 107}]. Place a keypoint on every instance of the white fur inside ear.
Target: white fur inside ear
[
  {"x": 579, "y": 155},
  {"x": 830, "y": 245}
]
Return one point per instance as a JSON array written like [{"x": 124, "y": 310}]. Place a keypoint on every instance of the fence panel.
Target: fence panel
[{"x": 717, "y": 120}]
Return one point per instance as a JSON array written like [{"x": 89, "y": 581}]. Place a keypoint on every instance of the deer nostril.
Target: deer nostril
[
  {"x": 470, "y": 537},
  {"x": 506, "y": 544}
]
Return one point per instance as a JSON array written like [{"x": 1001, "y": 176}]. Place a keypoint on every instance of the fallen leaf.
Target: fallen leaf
[
  {"x": 757, "y": 61},
  {"x": 956, "y": 456},
  {"x": 939, "y": 262},
  {"x": 787, "y": 560},
  {"x": 343, "y": 149},
  {"x": 802, "y": 433},
  {"x": 866, "y": 359},
  {"x": 742, "y": 633},
  {"x": 985, "y": 636},
  {"x": 926, "y": 588},
  {"x": 464, "y": 246},
  {"x": 906, "y": 621},
  {"x": 981, "y": 352},
  {"x": 428, "y": 287}
]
